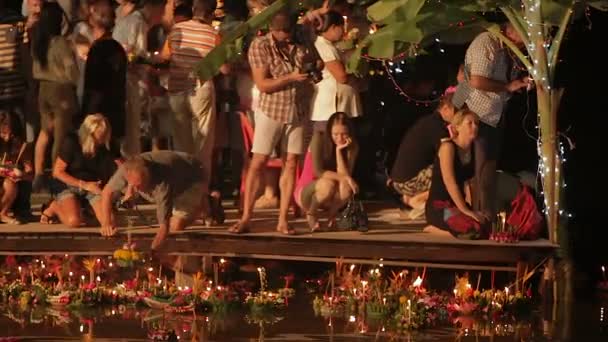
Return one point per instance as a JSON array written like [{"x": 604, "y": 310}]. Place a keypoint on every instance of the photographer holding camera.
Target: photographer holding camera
[{"x": 332, "y": 92}]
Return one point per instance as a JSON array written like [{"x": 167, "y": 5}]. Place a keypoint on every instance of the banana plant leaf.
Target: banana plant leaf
[
  {"x": 232, "y": 43},
  {"x": 601, "y": 5},
  {"x": 394, "y": 11}
]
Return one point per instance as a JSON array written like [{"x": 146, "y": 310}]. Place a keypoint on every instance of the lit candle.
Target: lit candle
[
  {"x": 82, "y": 280},
  {"x": 417, "y": 282},
  {"x": 409, "y": 312},
  {"x": 352, "y": 268},
  {"x": 604, "y": 273},
  {"x": 98, "y": 279},
  {"x": 384, "y": 301}
]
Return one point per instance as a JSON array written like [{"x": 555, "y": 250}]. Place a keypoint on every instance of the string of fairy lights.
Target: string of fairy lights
[{"x": 538, "y": 73}]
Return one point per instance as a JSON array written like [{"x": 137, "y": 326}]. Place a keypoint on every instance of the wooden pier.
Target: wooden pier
[{"x": 391, "y": 238}]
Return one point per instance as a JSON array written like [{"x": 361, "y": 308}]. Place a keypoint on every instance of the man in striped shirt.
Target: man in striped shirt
[{"x": 193, "y": 101}]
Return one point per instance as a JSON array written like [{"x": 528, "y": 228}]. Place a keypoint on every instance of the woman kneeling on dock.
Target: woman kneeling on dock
[
  {"x": 326, "y": 180},
  {"x": 84, "y": 164},
  {"x": 446, "y": 209}
]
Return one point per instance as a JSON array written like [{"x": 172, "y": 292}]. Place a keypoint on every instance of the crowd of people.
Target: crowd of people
[{"x": 87, "y": 77}]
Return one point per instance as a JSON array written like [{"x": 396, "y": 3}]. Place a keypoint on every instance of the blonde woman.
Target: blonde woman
[
  {"x": 84, "y": 164},
  {"x": 447, "y": 212}
]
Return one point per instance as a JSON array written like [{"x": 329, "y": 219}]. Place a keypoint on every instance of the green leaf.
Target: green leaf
[
  {"x": 405, "y": 32},
  {"x": 231, "y": 46},
  {"x": 394, "y": 11},
  {"x": 382, "y": 45},
  {"x": 554, "y": 11},
  {"x": 601, "y": 5}
]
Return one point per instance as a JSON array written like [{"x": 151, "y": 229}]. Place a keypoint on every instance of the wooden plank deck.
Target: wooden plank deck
[{"x": 390, "y": 237}]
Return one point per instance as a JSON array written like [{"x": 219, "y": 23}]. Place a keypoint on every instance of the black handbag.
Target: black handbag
[{"x": 353, "y": 217}]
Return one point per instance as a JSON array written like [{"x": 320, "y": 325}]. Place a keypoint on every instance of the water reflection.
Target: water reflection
[{"x": 296, "y": 322}]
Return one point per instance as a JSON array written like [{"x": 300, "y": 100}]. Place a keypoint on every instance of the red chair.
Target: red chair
[{"x": 277, "y": 163}]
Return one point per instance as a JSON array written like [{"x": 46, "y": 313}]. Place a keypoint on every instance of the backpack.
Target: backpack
[{"x": 525, "y": 216}]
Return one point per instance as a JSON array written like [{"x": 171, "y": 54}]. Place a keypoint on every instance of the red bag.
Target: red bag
[{"x": 524, "y": 216}]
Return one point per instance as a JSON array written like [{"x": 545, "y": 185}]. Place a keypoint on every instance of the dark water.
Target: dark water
[{"x": 581, "y": 321}]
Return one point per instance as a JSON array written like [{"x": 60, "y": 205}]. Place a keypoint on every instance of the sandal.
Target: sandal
[
  {"x": 10, "y": 220},
  {"x": 239, "y": 228},
  {"x": 44, "y": 218},
  {"x": 313, "y": 223}
]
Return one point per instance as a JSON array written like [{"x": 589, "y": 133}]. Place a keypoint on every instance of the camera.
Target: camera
[{"x": 312, "y": 71}]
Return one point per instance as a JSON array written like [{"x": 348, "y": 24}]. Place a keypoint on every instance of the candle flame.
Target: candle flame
[
  {"x": 352, "y": 267},
  {"x": 150, "y": 269},
  {"x": 352, "y": 318},
  {"x": 222, "y": 260},
  {"x": 98, "y": 279},
  {"x": 418, "y": 282},
  {"x": 111, "y": 264},
  {"x": 71, "y": 274},
  {"x": 507, "y": 290},
  {"x": 82, "y": 277}
]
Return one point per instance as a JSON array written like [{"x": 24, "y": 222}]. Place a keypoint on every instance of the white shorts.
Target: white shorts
[{"x": 269, "y": 133}]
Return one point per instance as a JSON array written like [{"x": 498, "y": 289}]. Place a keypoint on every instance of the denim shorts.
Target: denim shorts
[{"x": 80, "y": 194}]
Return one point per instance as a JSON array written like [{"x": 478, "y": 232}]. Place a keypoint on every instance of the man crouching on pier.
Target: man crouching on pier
[{"x": 172, "y": 180}]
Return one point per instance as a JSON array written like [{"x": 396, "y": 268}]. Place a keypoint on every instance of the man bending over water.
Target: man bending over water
[{"x": 172, "y": 180}]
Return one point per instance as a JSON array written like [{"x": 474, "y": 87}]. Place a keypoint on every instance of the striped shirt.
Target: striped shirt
[
  {"x": 12, "y": 38},
  {"x": 189, "y": 42}
]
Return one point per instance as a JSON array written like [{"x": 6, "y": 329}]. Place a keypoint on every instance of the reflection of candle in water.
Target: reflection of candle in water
[{"x": 409, "y": 312}]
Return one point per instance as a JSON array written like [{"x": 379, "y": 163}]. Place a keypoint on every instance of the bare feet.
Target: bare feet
[
  {"x": 438, "y": 232},
  {"x": 159, "y": 239},
  {"x": 285, "y": 229},
  {"x": 107, "y": 231},
  {"x": 241, "y": 227}
]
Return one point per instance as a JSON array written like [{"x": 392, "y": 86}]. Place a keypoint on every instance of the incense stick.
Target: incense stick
[{"x": 19, "y": 155}]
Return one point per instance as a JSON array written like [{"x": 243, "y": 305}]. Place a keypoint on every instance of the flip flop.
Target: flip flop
[
  {"x": 239, "y": 228},
  {"x": 288, "y": 231},
  {"x": 313, "y": 223}
]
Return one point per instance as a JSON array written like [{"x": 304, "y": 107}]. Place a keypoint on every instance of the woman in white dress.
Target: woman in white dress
[{"x": 333, "y": 93}]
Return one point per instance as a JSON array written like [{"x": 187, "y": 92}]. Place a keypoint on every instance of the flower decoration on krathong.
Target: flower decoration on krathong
[{"x": 127, "y": 255}]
